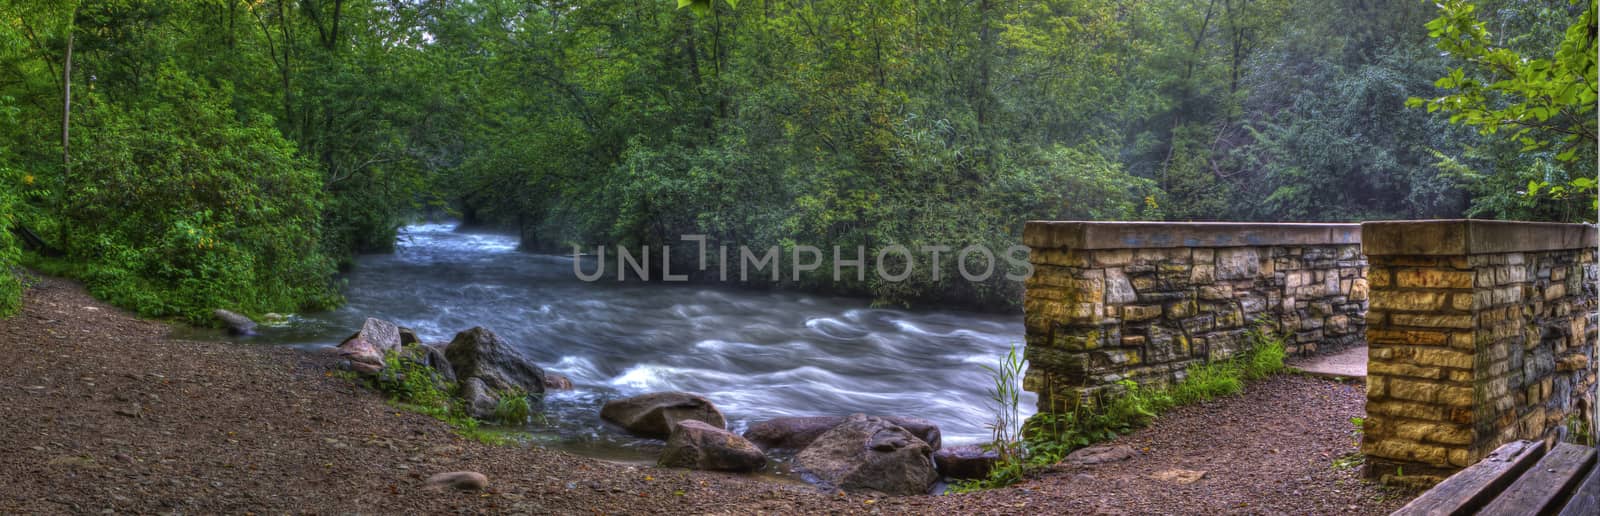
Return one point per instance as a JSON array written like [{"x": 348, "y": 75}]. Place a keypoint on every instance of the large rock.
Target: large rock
[
  {"x": 479, "y": 353},
  {"x": 965, "y": 462},
  {"x": 365, "y": 349},
  {"x": 480, "y": 399},
  {"x": 431, "y": 356},
  {"x": 237, "y": 324},
  {"x": 793, "y": 433},
  {"x": 866, "y": 452},
  {"x": 654, "y": 414},
  {"x": 696, "y": 445}
]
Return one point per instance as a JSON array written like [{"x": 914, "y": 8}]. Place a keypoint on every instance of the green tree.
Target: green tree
[{"x": 1546, "y": 104}]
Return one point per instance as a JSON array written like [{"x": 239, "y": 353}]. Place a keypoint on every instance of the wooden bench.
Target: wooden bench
[{"x": 1519, "y": 478}]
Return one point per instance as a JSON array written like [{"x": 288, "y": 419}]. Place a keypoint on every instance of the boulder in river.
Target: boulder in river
[
  {"x": 557, "y": 382},
  {"x": 965, "y": 462},
  {"x": 696, "y": 445},
  {"x": 366, "y": 348},
  {"x": 794, "y": 433},
  {"x": 237, "y": 324},
  {"x": 431, "y": 356},
  {"x": 866, "y": 452},
  {"x": 654, "y": 414},
  {"x": 408, "y": 336},
  {"x": 479, "y": 353}
]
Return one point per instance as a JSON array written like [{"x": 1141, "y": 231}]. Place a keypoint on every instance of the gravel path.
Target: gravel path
[{"x": 104, "y": 412}]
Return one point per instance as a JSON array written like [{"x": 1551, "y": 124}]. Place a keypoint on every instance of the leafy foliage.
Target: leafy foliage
[
  {"x": 1547, "y": 105},
  {"x": 12, "y": 182},
  {"x": 821, "y": 123},
  {"x": 193, "y": 209}
]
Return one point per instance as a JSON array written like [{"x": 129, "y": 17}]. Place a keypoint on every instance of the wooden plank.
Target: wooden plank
[
  {"x": 1469, "y": 489},
  {"x": 1586, "y": 500},
  {"x": 1547, "y": 484}
]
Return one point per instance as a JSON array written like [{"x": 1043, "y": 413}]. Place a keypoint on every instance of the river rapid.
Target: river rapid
[{"x": 755, "y": 354}]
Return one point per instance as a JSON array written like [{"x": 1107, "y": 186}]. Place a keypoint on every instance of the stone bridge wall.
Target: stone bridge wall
[
  {"x": 1481, "y": 333},
  {"x": 1109, "y": 301}
]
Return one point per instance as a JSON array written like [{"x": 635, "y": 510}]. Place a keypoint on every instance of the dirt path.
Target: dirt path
[{"x": 103, "y": 411}]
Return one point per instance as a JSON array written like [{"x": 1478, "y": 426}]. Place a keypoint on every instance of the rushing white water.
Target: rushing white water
[{"x": 756, "y": 354}]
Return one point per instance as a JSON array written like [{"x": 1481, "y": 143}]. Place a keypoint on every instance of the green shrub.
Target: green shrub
[
  {"x": 177, "y": 207},
  {"x": 411, "y": 382},
  {"x": 513, "y": 408},
  {"x": 12, "y": 183}
]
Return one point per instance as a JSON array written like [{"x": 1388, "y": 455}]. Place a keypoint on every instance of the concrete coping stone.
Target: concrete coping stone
[
  {"x": 1454, "y": 237},
  {"x": 1042, "y": 234}
]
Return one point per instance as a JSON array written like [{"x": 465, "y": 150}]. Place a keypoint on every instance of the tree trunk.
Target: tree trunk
[{"x": 66, "y": 133}]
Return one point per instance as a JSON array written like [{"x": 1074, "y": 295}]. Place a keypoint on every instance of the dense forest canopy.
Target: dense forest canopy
[{"x": 184, "y": 155}]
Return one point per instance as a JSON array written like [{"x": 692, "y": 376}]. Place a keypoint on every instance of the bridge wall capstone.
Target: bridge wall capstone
[
  {"x": 1480, "y": 333},
  {"x": 1143, "y": 301}
]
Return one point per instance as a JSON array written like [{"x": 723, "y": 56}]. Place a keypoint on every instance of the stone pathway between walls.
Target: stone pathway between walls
[
  {"x": 104, "y": 411},
  {"x": 1350, "y": 363}
]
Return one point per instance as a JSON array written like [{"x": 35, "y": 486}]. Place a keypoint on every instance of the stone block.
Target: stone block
[
  {"x": 1216, "y": 292},
  {"x": 1411, "y": 301},
  {"x": 1455, "y": 396},
  {"x": 1433, "y": 278},
  {"x": 1400, "y": 449},
  {"x": 1444, "y": 358},
  {"x": 1404, "y": 370},
  {"x": 1461, "y": 321},
  {"x": 1118, "y": 290},
  {"x": 1135, "y": 313},
  {"x": 1378, "y": 277},
  {"x": 1112, "y": 257},
  {"x": 1058, "y": 257},
  {"x": 1410, "y": 390},
  {"x": 1407, "y": 337},
  {"x": 1358, "y": 290},
  {"x": 1237, "y": 263},
  {"x": 1406, "y": 409},
  {"x": 1181, "y": 309}
]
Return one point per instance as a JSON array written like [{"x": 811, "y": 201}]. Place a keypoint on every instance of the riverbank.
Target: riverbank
[{"x": 106, "y": 411}]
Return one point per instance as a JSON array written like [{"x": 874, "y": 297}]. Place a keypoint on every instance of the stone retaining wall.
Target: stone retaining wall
[
  {"x": 1109, "y": 301},
  {"x": 1481, "y": 332}
]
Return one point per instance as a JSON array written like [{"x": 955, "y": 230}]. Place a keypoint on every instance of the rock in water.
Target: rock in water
[
  {"x": 237, "y": 324},
  {"x": 794, "y": 433},
  {"x": 431, "y": 356},
  {"x": 365, "y": 349},
  {"x": 965, "y": 462},
  {"x": 653, "y": 415},
  {"x": 696, "y": 445},
  {"x": 408, "y": 336},
  {"x": 865, "y": 452},
  {"x": 557, "y": 382},
  {"x": 460, "y": 480},
  {"x": 479, "y": 353}
]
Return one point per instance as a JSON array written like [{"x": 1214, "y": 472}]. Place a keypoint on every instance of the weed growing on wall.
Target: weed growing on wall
[{"x": 1047, "y": 438}]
